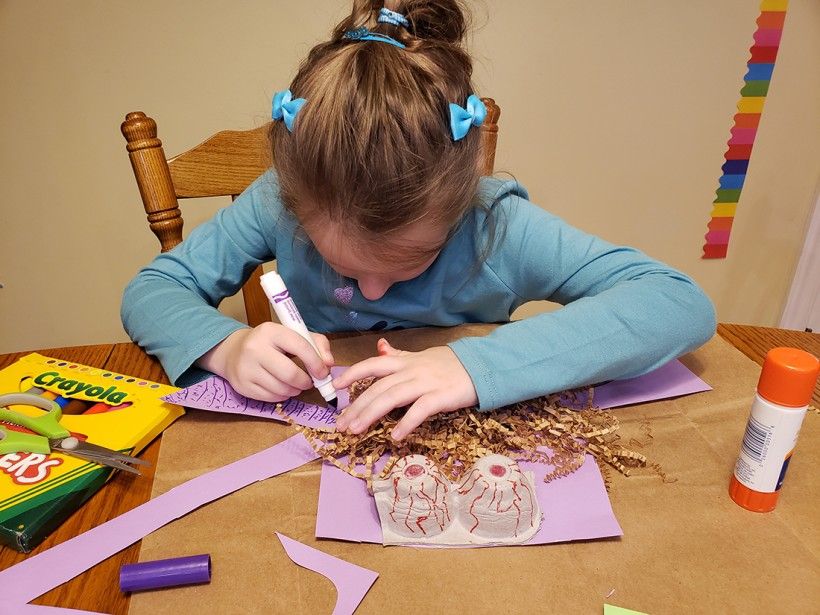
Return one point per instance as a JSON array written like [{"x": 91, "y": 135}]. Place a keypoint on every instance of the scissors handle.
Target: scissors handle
[
  {"x": 16, "y": 442},
  {"x": 53, "y": 436},
  {"x": 47, "y": 424}
]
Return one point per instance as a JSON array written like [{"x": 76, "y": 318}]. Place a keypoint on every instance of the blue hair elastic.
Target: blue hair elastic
[
  {"x": 363, "y": 34},
  {"x": 461, "y": 118},
  {"x": 397, "y": 19},
  {"x": 285, "y": 107}
]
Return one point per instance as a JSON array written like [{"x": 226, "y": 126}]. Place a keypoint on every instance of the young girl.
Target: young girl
[{"x": 378, "y": 219}]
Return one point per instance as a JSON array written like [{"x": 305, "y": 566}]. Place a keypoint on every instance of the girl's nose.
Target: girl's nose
[{"x": 373, "y": 288}]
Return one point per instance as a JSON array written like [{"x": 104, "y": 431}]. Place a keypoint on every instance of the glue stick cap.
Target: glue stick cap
[
  {"x": 788, "y": 377},
  {"x": 756, "y": 501}
]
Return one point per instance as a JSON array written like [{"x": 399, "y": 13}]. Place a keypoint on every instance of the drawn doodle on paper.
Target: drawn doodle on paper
[{"x": 215, "y": 394}]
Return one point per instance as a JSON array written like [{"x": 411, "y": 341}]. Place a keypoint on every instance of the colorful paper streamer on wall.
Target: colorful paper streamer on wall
[{"x": 749, "y": 109}]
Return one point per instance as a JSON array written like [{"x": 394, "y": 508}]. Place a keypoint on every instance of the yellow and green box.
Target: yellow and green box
[{"x": 38, "y": 492}]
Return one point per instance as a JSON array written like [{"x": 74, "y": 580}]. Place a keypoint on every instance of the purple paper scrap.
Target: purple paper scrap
[
  {"x": 670, "y": 380},
  {"x": 352, "y": 582},
  {"x": 46, "y": 570},
  {"x": 7, "y": 608}
]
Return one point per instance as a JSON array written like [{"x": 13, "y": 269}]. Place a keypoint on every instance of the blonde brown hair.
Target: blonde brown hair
[{"x": 371, "y": 149}]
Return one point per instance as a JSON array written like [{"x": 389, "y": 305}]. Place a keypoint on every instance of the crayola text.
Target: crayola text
[{"x": 73, "y": 387}]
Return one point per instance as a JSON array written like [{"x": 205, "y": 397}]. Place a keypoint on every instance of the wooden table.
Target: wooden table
[{"x": 93, "y": 589}]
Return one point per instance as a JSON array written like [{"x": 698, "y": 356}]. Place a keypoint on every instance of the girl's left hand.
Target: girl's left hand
[{"x": 430, "y": 381}]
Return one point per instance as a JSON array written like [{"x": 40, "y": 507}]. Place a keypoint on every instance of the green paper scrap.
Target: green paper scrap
[{"x": 610, "y": 609}]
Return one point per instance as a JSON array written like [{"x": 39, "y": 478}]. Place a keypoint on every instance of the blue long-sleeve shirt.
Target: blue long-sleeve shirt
[{"x": 623, "y": 313}]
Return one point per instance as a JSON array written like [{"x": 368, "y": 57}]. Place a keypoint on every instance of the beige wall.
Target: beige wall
[{"x": 615, "y": 115}]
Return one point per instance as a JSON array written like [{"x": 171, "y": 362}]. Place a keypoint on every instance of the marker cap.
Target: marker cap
[
  {"x": 326, "y": 388},
  {"x": 172, "y": 572},
  {"x": 788, "y": 377}
]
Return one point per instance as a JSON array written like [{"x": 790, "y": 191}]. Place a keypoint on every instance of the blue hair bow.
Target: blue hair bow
[
  {"x": 461, "y": 118},
  {"x": 285, "y": 107}
]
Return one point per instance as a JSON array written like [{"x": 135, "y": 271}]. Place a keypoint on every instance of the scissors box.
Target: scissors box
[{"x": 38, "y": 492}]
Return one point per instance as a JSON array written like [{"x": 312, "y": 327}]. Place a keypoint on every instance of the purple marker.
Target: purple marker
[
  {"x": 288, "y": 314},
  {"x": 171, "y": 572}
]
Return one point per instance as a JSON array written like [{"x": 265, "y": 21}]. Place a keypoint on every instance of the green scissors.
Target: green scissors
[{"x": 50, "y": 436}]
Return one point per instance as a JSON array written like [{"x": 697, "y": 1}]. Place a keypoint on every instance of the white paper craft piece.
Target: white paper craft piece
[{"x": 494, "y": 503}]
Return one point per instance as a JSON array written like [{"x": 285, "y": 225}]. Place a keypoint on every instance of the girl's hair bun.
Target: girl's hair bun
[{"x": 434, "y": 20}]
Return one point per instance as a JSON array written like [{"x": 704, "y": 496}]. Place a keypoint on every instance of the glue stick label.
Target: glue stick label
[{"x": 771, "y": 434}]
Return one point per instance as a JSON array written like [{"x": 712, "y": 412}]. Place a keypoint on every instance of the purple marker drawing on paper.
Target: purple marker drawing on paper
[
  {"x": 352, "y": 582},
  {"x": 310, "y": 415},
  {"x": 575, "y": 507},
  {"x": 215, "y": 394}
]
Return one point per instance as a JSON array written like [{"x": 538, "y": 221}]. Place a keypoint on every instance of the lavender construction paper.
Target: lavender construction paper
[
  {"x": 39, "y": 609},
  {"x": 671, "y": 380},
  {"x": 352, "y": 582},
  {"x": 45, "y": 571},
  {"x": 575, "y": 507},
  {"x": 215, "y": 394}
]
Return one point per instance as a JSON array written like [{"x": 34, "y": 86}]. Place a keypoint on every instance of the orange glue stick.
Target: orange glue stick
[{"x": 783, "y": 394}]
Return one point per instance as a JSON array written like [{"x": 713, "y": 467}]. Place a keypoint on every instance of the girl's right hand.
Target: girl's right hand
[{"x": 257, "y": 362}]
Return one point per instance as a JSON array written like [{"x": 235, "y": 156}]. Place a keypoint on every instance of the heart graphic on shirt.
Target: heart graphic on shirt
[{"x": 344, "y": 294}]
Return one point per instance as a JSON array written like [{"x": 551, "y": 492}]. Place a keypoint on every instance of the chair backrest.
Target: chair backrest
[{"x": 223, "y": 165}]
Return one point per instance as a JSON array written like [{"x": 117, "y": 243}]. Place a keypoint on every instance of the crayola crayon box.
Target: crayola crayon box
[{"x": 38, "y": 492}]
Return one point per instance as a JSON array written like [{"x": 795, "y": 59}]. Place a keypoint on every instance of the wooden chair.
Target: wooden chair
[{"x": 223, "y": 165}]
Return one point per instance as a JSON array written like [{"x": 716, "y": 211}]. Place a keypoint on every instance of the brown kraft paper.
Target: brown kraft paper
[{"x": 687, "y": 547}]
